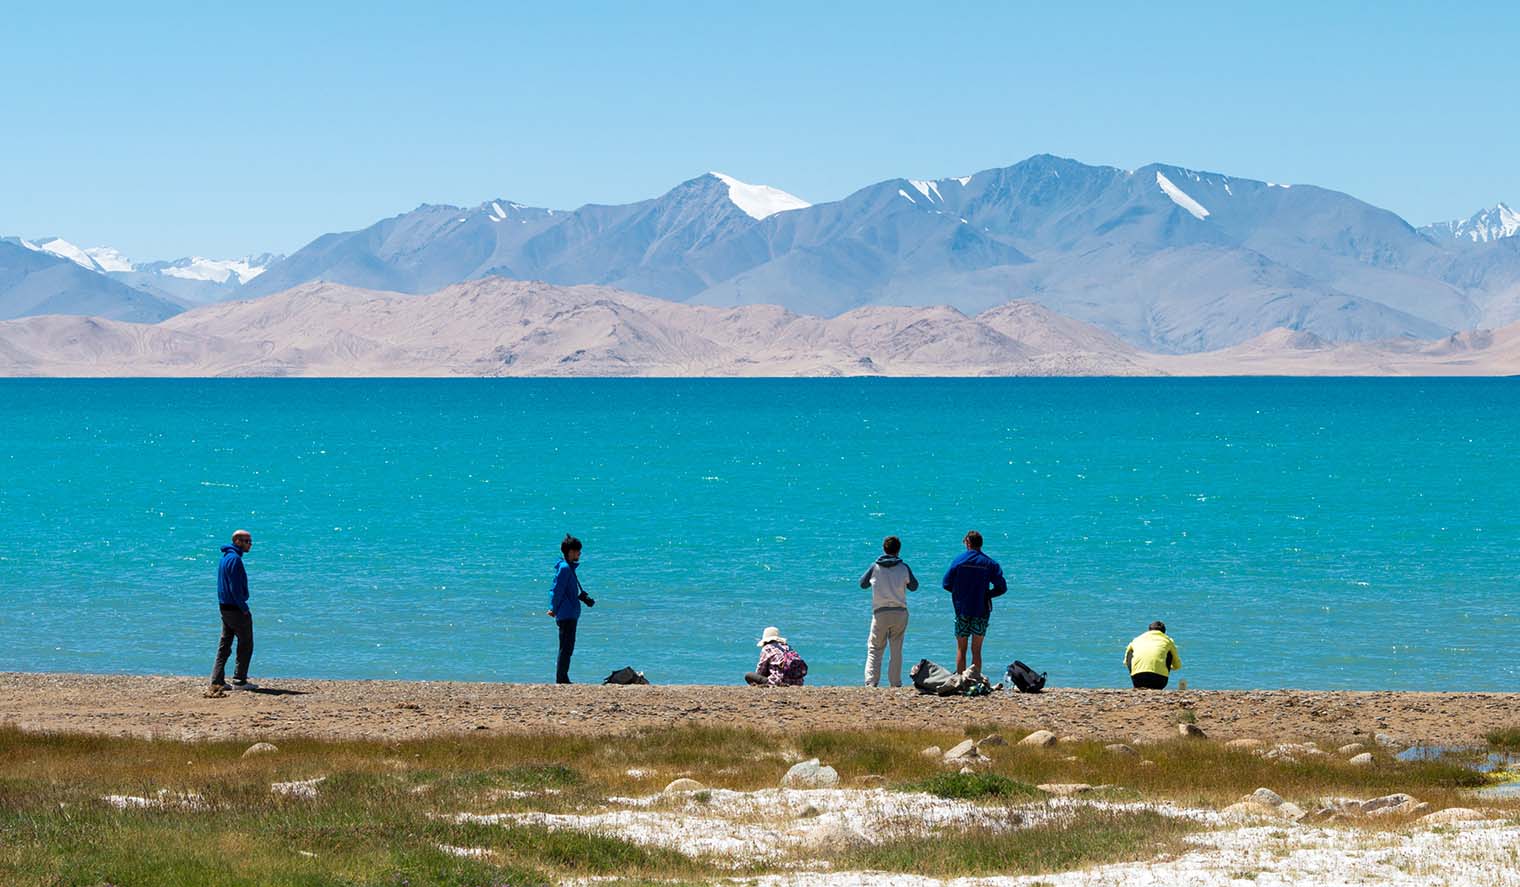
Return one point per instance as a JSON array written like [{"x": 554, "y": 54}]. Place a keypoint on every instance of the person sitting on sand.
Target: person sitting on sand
[
  {"x": 565, "y": 599},
  {"x": 890, "y": 579},
  {"x": 779, "y": 666},
  {"x": 1151, "y": 658},
  {"x": 973, "y": 580},
  {"x": 237, "y": 619}
]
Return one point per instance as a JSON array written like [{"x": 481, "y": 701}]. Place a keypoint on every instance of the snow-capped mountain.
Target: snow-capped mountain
[
  {"x": 759, "y": 201},
  {"x": 36, "y": 281},
  {"x": 1486, "y": 225}
]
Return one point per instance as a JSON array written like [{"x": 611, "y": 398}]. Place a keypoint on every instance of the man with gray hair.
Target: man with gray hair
[{"x": 237, "y": 619}]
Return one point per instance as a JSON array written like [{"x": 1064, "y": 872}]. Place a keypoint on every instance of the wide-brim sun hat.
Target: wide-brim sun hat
[{"x": 772, "y": 634}]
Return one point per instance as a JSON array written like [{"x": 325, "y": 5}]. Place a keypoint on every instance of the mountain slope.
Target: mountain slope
[
  {"x": 35, "y": 282},
  {"x": 1494, "y": 223}
]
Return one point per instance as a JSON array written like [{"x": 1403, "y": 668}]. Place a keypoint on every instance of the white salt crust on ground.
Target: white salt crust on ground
[{"x": 771, "y": 824}]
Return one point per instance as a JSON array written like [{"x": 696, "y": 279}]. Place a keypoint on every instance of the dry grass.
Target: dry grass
[{"x": 375, "y": 820}]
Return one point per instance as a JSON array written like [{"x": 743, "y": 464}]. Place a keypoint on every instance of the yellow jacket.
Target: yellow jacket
[{"x": 1152, "y": 652}]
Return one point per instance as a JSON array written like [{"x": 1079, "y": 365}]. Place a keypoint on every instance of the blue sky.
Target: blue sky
[{"x": 167, "y": 130}]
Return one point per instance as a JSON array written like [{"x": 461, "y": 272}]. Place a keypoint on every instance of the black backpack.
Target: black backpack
[
  {"x": 626, "y": 675},
  {"x": 1025, "y": 678}
]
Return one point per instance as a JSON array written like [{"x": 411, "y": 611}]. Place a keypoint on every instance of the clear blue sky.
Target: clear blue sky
[{"x": 167, "y": 130}]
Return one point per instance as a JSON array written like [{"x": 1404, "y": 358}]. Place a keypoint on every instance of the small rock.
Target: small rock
[
  {"x": 1453, "y": 814},
  {"x": 1362, "y": 760},
  {"x": 1290, "y": 810},
  {"x": 992, "y": 740},
  {"x": 1068, "y": 740},
  {"x": 1071, "y": 759},
  {"x": 1147, "y": 763},
  {"x": 1192, "y": 731},
  {"x": 1244, "y": 743},
  {"x": 966, "y": 771},
  {"x": 932, "y": 751},
  {"x": 810, "y": 774},
  {"x": 1388, "y": 805},
  {"x": 1265, "y": 796},
  {"x": 1039, "y": 739},
  {"x": 259, "y": 748},
  {"x": 965, "y": 748},
  {"x": 1247, "y": 811},
  {"x": 1065, "y": 789},
  {"x": 1350, "y": 748},
  {"x": 1120, "y": 748},
  {"x": 683, "y": 785},
  {"x": 1385, "y": 740},
  {"x": 833, "y": 833}
]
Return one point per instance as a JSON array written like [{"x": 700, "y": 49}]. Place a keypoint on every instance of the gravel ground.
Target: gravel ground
[{"x": 173, "y": 707}]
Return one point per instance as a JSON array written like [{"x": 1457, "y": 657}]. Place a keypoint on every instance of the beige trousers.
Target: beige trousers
[{"x": 887, "y": 628}]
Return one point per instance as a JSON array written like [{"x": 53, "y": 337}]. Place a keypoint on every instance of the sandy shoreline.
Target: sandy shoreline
[{"x": 173, "y": 708}]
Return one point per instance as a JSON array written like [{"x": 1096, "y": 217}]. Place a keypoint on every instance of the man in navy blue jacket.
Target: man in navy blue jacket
[
  {"x": 565, "y": 598},
  {"x": 237, "y": 619},
  {"x": 973, "y": 580}
]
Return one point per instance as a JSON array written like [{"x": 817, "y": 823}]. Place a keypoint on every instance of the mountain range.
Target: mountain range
[
  {"x": 1167, "y": 259},
  {"x": 501, "y": 327}
]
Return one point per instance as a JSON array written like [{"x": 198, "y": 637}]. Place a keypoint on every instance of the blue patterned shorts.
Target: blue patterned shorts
[{"x": 966, "y": 626}]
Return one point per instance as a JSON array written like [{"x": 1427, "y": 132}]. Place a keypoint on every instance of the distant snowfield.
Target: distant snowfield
[
  {"x": 215, "y": 270},
  {"x": 759, "y": 201},
  {"x": 1180, "y": 197}
]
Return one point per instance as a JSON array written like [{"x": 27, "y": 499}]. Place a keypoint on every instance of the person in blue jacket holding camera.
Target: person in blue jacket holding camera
[{"x": 565, "y": 599}]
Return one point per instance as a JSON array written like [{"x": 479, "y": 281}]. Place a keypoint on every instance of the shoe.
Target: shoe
[
  {"x": 215, "y": 691},
  {"x": 242, "y": 685}
]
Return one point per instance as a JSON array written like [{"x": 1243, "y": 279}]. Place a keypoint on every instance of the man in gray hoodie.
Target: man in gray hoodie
[{"x": 890, "y": 580}]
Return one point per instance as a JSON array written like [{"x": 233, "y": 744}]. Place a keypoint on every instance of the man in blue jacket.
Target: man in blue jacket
[
  {"x": 973, "y": 580},
  {"x": 237, "y": 619},
  {"x": 565, "y": 598}
]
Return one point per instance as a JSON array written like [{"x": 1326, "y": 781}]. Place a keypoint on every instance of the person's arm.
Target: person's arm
[
  {"x": 562, "y": 592},
  {"x": 999, "y": 584},
  {"x": 912, "y": 579},
  {"x": 865, "y": 581},
  {"x": 239, "y": 582},
  {"x": 1173, "y": 658},
  {"x": 945, "y": 583},
  {"x": 1129, "y": 657}
]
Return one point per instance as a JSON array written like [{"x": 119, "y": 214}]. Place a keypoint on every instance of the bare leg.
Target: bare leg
[
  {"x": 976, "y": 653},
  {"x": 960, "y": 653}
]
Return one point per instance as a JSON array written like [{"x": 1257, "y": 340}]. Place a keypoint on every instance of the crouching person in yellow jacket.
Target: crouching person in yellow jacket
[{"x": 1151, "y": 658}]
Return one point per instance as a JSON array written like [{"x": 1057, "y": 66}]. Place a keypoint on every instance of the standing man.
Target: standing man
[
  {"x": 973, "y": 580},
  {"x": 237, "y": 619},
  {"x": 1151, "y": 658},
  {"x": 890, "y": 579},
  {"x": 565, "y": 599}
]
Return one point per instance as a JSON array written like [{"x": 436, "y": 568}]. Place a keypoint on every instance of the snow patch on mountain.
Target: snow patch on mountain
[
  {"x": 109, "y": 258},
  {"x": 215, "y": 270},
  {"x": 64, "y": 250},
  {"x": 759, "y": 201},
  {"x": 930, "y": 190},
  {"x": 1494, "y": 223},
  {"x": 1180, "y": 197}
]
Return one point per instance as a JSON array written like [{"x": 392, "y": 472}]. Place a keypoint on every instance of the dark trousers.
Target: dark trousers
[
  {"x": 755, "y": 680},
  {"x": 1148, "y": 680},
  {"x": 566, "y": 649},
  {"x": 236, "y": 623}
]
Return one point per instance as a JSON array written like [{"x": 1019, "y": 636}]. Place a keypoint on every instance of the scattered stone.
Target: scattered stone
[
  {"x": 966, "y": 771},
  {"x": 932, "y": 751},
  {"x": 1350, "y": 748},
  {"x": 992, "y": 740},
  {"x": 259, "y": 748},
  {"x": 1039, "y": 739},
  {"x": 305, "y": 789},
  {"x": 1290, "y": 810},
  {"x": 1068, "y": 740},
  {"x": 1362, "y": 760},
  {"x": 1385, "y": 740},
  {"x": 1065, "y": 789},
  {"x": 1451, "y": 815},
  {"x": 1248, "y": 811},
  {"x": 833, "y": 833},
  {"x": 1071, "y": 759},
  {"x": 965, "y": 748},
  {"x": 1244, "y": 743},
  {"x": 1147, "y": 763},
  {"x": 810, "y": 774},
  {"x": 1120, "y": 748},
  {"x": 966, "y": 754},
  {"x": 1396, "y": 804},
  {"x": 682, "y": 785},
  {"x": 1265, "y": 796},
  {"x": 1191, "y": 731}
]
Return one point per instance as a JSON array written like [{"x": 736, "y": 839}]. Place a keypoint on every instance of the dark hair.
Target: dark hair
[
  {"x": 570, "y": 544},
  {"x": 1158, "y": 625},
  {"x": 973, "y": 539},
  {"x": 891, "y": 545}
]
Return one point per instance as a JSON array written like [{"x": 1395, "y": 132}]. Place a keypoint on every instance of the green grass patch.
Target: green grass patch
[
  {"x": 1088, "y": 838},
  {"x": 1504, "y": 738},
  {"x": 975, "y": 786}
]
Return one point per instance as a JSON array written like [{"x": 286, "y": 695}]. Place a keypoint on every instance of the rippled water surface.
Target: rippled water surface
[{"x": 1308, "y": 533}]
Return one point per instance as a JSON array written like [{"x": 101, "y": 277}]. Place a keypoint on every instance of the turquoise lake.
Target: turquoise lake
[{"x": 1292, "y": 533}]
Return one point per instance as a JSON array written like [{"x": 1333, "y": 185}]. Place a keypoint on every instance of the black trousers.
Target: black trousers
[
  {"x": 566, "y": 649},
  {"x": 1148, "y": 680},
  {"x": 236, "y": 623}
]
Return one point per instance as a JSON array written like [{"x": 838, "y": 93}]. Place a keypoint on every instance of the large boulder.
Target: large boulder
[
  {"x": 684, "y": 785},
  {"x": 1191, "y": 731},
  {"x": 1451, "y": 815},
  {"x": 810, "y": 774},
  {"x": 259, "y": 748},
  {"x": 1039, "y": 739}
]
